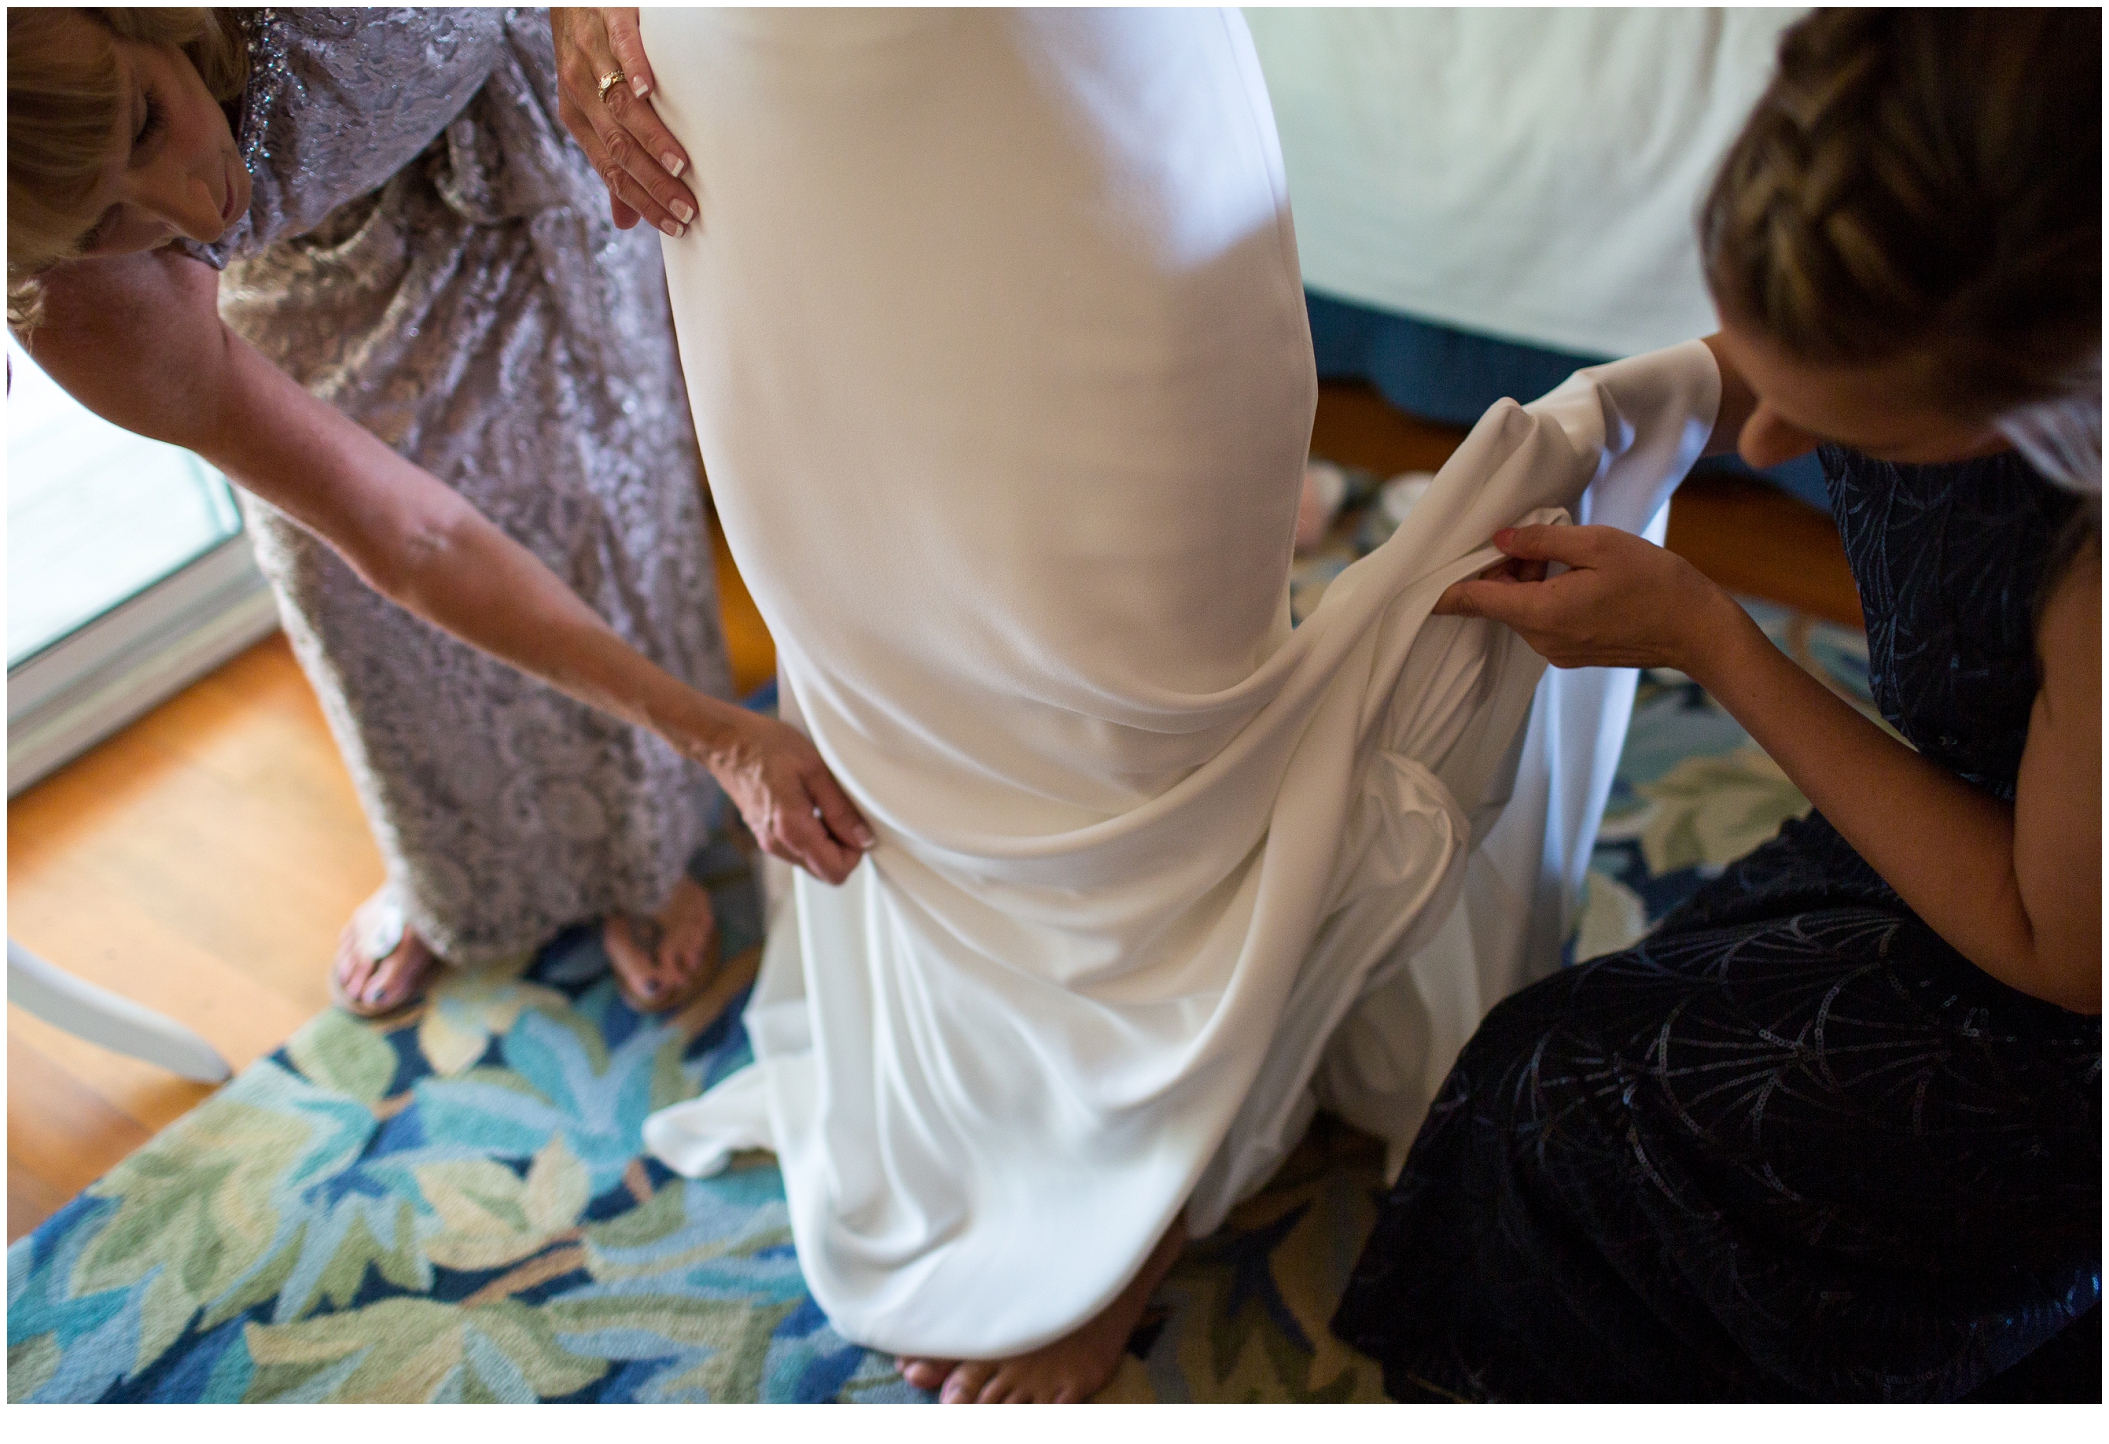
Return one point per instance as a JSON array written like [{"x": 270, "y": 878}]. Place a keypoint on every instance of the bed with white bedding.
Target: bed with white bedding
[{"x": 1487, "y": 199}]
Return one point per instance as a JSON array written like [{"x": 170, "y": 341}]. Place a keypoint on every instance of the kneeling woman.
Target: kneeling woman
[{"x": 1833, "y": 1130}]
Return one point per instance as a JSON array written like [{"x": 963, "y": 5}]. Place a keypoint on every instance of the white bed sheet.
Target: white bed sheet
[{"x": 1527, "y": 174}]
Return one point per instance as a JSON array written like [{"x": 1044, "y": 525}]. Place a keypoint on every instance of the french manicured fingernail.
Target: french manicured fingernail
[
  {"x": 865, "y": 838},
  {"x": 674, "y": 165},
  {"x": 673, "y": 230},
  {"x": 642, "y": 86},
  {"x": 680, "y": 208}
]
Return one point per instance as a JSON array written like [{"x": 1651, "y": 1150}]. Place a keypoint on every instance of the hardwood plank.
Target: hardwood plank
[
  {"x": 162, "y": 957},
  {"x": 30, "y": 1200},
  {"x": 1357, "y": 427},
  {"x": 145, "y": 1097},
  {"x": 1757, "y": 540},
  {"x": 61, "y": 1134},
  {"x": 746, "y": 634}
]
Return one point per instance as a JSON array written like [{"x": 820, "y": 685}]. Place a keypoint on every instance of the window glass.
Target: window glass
[{"x": 95, "y": 515}]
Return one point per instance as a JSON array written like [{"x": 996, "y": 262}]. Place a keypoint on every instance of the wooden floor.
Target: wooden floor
[{"x": 203, "y": 860}]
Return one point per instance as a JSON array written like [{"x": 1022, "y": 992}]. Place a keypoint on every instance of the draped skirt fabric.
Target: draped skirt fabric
[{"x": 995, "y": 341}]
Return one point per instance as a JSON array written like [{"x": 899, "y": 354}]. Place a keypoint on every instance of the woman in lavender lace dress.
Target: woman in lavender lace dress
[{"x": 400, "y": 226}]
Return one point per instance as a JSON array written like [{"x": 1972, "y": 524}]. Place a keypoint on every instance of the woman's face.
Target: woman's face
[
  {"x": 172, "y": 170},
  {"x": 1872, "y": 409}
]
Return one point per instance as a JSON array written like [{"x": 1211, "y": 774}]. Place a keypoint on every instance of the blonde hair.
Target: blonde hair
[
  {"x": 1924, "y": 184},
  {"x": 62, "y": 106}
]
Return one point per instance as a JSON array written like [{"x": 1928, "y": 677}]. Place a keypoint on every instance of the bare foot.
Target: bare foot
[
  {"x": 370, "y": 987},
  {"x": 662, "y": 960},
  {"x": 1067, "y": 1371}
]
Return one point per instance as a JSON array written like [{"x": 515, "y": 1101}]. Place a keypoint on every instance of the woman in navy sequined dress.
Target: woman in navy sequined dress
[{"x": 1833, "y": 1130}]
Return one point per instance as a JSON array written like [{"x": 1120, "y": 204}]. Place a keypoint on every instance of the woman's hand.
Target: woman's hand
[
  {"x": 791, "y": 802},
  {"x": 1623, "y": 602},
  {"x": 638, "y": 158}
]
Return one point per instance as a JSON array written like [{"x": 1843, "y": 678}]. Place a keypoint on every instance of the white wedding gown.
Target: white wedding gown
[{"x": 995, "y": 339}]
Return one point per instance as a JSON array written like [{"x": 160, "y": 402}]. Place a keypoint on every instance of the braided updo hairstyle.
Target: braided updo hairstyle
[{"x": 1924, "y": 185}]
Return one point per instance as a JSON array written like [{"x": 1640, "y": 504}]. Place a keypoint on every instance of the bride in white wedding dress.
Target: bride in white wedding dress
[{"x": 995, "y": 339}]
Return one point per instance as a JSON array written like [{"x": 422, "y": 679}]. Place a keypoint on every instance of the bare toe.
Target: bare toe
[
  {"x": 400, "y": 976},
  {"x": 966, "y": 1381},
  {"x": 633, "y": 956},
  {"x": 371, "y": 987},
  {"x": 688, "y": 925},
  {"x": 926, "y": 1374}
]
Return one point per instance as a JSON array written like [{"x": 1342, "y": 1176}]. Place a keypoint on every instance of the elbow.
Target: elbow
[
  {"x": 2068, "y": 976},
  {"x": 2077, "y": 988},
  {"x": 401, "y": 561}
]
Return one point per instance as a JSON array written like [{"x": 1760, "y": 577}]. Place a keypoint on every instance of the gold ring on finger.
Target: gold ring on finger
[{"x": 608, "y": 82}]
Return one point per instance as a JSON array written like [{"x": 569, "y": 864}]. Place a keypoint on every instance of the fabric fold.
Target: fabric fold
[{"x": 995, "y": 342}]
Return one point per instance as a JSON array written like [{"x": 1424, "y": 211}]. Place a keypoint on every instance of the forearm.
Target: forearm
[
  {"x": 139, "y": 341},
  {"x": 1946, "y": 847},
  {"x": 421, "y": 545}
]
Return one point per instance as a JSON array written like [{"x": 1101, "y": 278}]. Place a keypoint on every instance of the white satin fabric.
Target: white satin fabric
[{"x": 996, "y": 346}]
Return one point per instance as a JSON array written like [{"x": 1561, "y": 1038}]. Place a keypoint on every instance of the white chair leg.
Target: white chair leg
[{"x": 109, "y": 1020}]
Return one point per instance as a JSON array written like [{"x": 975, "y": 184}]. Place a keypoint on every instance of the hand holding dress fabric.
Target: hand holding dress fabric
[
  {"x": 613, "y": 121},
  {"x": 1621, "y": 602}
]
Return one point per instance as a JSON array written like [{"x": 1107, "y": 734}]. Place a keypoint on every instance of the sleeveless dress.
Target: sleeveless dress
[
  {"x": 995, "y": 337},
  {"x": 429, "y": 252},
  {"x": 1791, "y": 1145}
]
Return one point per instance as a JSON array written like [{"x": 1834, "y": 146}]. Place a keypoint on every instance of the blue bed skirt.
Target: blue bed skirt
[{"x": 1440, "y": 373}]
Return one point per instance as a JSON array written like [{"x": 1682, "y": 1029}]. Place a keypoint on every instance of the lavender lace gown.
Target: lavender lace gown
[{"x": 428, "y": 251}]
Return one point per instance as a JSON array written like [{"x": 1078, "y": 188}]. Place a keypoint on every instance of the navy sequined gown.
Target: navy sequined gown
[{"x": 1791, "y": 1145}]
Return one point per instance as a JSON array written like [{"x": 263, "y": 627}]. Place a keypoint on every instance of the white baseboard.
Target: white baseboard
[{"x": 75, "y": 693}]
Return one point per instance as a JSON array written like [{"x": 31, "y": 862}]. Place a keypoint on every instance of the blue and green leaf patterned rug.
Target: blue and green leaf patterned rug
[{"x": 454, "y": 1206}]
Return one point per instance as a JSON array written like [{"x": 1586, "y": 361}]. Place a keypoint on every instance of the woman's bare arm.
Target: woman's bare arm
[
  {"x": 139, "y": 341},
  {"x": 2014, "y": 888}
]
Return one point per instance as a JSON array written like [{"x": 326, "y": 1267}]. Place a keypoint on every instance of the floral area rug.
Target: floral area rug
[{"x": 453, "y": 1206}]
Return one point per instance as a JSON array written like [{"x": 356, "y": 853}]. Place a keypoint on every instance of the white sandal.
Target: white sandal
[{"x": 380, "y": 927}]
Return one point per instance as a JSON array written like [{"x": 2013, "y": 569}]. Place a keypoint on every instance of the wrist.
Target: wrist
[
  {"x": 1718, "y": 641},
  {"x": 705, "y": 729}
]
